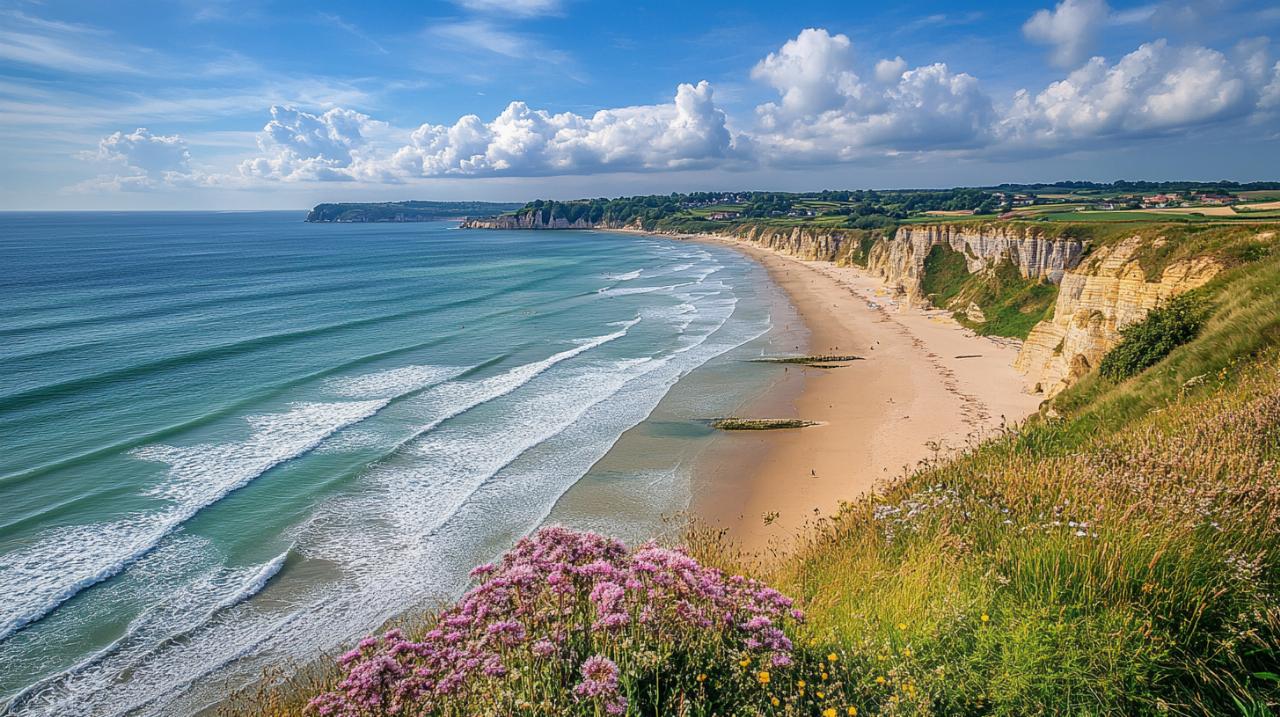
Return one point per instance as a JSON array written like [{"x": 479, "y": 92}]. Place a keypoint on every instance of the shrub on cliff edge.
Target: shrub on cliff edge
[{"x": 1164, "y": 329}]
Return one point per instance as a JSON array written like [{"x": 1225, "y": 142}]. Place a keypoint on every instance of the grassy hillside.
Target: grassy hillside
[
  {"x": 1123, "y": 558},
  {"x": 1119, "y": 554}
]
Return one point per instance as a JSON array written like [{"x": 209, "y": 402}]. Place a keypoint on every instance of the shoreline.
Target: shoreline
[{"x": 927, "y": 388}]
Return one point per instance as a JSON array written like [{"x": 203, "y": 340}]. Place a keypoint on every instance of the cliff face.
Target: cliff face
[
  {"x": 900, "y": 262},
  {"x": 1098, "y": 295},
  {"x": 1109, "y": 291},
  {"x": 810, "y": 244},
  {"x": 534, "y": 220}
]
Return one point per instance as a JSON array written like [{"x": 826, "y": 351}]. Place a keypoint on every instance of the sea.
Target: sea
[{"x": 231, "y": 442}]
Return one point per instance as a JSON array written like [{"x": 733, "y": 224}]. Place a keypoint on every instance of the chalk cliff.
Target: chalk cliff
[
  {"x": 535, "y": 220},
  {"x": 1099, "y": 293},
  {"x": 900, "y": 262},
  {"x": 1108, "y": 291}
]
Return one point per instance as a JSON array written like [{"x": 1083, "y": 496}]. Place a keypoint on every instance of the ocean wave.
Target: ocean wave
[
  {"x": 393, "y": 382},
  {"x": 632, "y": 290},
  {"x": 64, "y": 561},
  {"x": 625, "y": 277},
  {"x": 172, "y": 620}
]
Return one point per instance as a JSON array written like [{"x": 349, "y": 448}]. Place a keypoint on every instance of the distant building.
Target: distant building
[
  {"x": 721, "y": 216},
  {"x": 1160, "y": 200},
  {"x": 1218, "y": 199}
]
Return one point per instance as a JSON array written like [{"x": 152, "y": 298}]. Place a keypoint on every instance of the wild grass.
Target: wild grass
[{"x": 1133, "y": 573}]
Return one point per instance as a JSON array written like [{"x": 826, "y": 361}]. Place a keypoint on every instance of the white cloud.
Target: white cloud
[
  {"x": 298, "y": 145},
  {"x": 521, "y": 8},
  {"x": 827, "y": 113},
  {"x": 888, "y": 71},
  {"x": 812, "y": 72},
  {"x": 1071, "y": 28},
  {"x": 63, "y": 47},
  {"x": 1156, "y": 89},
  {"x": 688, "y": 133},
  {"x": 824, "y": 114},
  {"x": 141, "y": 160}
]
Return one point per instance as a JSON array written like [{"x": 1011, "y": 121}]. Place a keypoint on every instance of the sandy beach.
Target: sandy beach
[{"x": 926, "y": 386}]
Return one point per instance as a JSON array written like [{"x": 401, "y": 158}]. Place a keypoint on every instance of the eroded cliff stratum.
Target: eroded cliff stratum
[{"x": 1104, "y": 279}]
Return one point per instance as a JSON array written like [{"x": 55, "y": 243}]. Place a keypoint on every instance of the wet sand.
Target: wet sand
[{"x": 926, "y": 387}]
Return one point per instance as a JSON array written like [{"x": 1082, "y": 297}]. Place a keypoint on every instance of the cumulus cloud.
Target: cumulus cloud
[
  {"x": 890, "y": 70},
  {"x": 141, "y": 160},
  {"x": 297, "y": 145},
  {"x": 812, "y": 72},
  {"x": 689, "y": 132},
  {"x": 1070, "y": 29},
  {"x": 826, "y": 112},
  {"x": 1156, "y": 89}
]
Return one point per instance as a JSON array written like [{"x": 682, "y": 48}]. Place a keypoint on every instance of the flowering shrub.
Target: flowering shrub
[{"x": 573, "y": 623}]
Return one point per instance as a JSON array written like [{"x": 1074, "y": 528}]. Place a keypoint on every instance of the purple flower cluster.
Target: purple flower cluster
[{"x": 557, "y": 597}]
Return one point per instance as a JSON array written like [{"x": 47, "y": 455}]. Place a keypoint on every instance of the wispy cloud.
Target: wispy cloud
[
  {"x": 483, "y": 37},
  {"x": 353, "y": 30},
  {"x": 940, "y": 20},
  {"x": 521, "y": 8},
  {"x": 65, "y": 47}
]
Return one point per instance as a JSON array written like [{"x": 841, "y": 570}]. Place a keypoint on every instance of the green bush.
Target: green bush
[{"x": 1166, "y": 328}]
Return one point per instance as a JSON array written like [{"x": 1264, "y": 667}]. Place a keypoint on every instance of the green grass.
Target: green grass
[
  {"x": 1131, "y": 572},
  {"x": 1146, "y": 342},
  {"x": 1011, "y": 304}
]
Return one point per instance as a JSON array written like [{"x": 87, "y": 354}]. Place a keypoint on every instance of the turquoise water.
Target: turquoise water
[{"x": 234, "y": 438}]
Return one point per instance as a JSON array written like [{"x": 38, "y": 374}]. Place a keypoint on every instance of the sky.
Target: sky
[{"x": 260, "y": 104}]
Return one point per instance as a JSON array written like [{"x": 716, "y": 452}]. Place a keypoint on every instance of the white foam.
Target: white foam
[
  {"x": 419, "y": 518},
  {"x": 632, "y": 290},
  {"x": 625, "y": 277},
  {"x": 174, "y": 620},
  {"x": 393, "y": 382},
  {"x": 63, "y": 561},
  {"x": 255, "y": 582}
]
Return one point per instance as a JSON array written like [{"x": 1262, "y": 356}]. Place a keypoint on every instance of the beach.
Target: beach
[{"x": 925, "y": 387}]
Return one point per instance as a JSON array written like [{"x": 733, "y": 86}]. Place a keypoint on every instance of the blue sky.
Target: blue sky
[{"x": 258, "y": 104}]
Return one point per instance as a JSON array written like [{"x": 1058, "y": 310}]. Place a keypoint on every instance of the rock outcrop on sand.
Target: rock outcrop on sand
[{"x": 1109, "y": 291}]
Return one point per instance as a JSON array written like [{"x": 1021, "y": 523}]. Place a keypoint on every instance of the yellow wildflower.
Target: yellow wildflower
[
  {"x": 774, "y": 701},
  {"x": 821, "y": 695},
  {"x": 852, "y": 712},
  {"x": 832, "y": 657},
  {"x": 744, "y": 661},
  {"x": 880, "y": 679},
  {"x": 902, "y": 626},
  {"x": 906, "y": 652},
  {"x": 829, "y": 712},
  {"x": 763, "y": 677},
  {"x": 824, "y": 675},
  {"x": 702, "y": 678},
  {"x": 985, "y": 617},
  {"x": 800, "y": 684}
]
